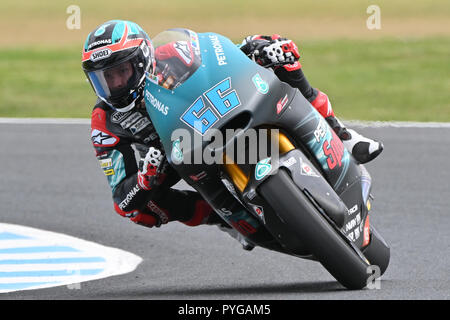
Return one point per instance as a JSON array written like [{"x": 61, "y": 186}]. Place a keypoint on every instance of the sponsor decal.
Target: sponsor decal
[
  {"x": 218, "y": 49},
  {"x": 152, "y": 78},
  {"x": 176, "y": 154},
  {"x": 230, "y": 187},
  {"x": 99, "y": 138},
  {"x": 282, "y": 103},
  {"x": 243, "y": 227},
  {"x": 357, "y": 233},
  {"x": 334, "y": 150},
  {"x": 194, "y": 42},
  {"x": 259, "y": 210},
  {"x": 138, "y": 126},
  {"x": 182, "y": 48},
  {"x": 251, "y": 194},
  {"x": 198, "y": 176},
  {"x": 109, "y": 172},
  {"x": 307, "y": 170},
  {"x": 292, "y": 67},
  {"x": 353, "y": 209},
  {"x": 290, "y": 162},
  {"x": 117, "y": 116},
  {"x": 261, "y": 85},
  {"x": 225, "y": 212},
  {"x": 100, "y": 54},
  {"x": 151, "y": 137},
  {"x": 321, "y": 130},
  {"x": 262, "y": 169},
  {"x": 105, "y": 163},
  {"x": 160, "y": 212},
  {"x": 366, "y": 232},
  {"x": 129, "y": 197},
  {"x": 130, "y": 120},
  {"x": 145, "y": 49},
  {"x": 353, "y": 228},
  {"x": 158, "y": 105},
  {"x": 99, "y": 42}
]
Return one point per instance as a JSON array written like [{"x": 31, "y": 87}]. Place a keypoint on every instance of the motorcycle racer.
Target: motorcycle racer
[{"x": 116, "y": 57}]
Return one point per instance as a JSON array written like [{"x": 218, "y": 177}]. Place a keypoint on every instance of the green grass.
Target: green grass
[
  {"x": 41, "y": 83},
  {"x": 384, "y": 79},
  {"x": 390, "y": 79}
]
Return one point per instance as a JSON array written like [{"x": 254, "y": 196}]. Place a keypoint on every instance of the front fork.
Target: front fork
[{"x": 239, "y": 178}]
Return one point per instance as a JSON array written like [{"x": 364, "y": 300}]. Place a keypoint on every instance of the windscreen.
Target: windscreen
[{"x": 177, "y": 54}]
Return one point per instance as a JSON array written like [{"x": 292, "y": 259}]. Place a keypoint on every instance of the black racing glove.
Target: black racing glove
[{"x": 270, "y": 51}]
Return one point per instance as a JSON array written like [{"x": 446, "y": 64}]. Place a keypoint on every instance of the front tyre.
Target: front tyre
[
  {"x": 377, "y": 252},
  {"x": 314, "y": 231}
]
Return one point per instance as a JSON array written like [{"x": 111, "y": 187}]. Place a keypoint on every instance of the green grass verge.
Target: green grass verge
[{"x": 385, "y": 79}]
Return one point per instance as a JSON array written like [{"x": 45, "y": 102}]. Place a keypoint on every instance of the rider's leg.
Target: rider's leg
[{"x": 363, "y": 149}]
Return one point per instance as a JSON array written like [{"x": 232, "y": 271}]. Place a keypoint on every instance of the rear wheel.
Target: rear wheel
[{"x": 314, "y": 231}]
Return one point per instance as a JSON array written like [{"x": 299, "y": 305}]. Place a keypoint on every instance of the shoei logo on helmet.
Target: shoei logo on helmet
[{"x": 101, "y": 54}]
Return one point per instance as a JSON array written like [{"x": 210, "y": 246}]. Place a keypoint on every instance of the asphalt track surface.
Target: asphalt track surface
[{"x": 51, "y": 180}]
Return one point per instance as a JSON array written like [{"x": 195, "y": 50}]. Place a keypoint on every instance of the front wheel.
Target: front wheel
[
  {"x": 314, "y": 231},
  {"x": 378, "y": 251}
]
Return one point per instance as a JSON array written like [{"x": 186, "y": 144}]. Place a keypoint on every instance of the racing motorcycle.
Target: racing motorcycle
[{"x": 309, "y": 198}]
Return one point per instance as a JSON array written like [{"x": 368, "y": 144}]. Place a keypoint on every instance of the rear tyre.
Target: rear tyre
[{"x": 314, "y": 231}]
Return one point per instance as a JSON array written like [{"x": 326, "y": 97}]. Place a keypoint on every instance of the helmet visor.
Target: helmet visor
[{"x": 113, "y": 83}]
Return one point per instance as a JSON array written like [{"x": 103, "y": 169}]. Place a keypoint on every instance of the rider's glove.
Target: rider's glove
[
  {"x": 153, "y": 171},
  {"x": 271, "y": 51},
  {"x": 252, "y": 46}
]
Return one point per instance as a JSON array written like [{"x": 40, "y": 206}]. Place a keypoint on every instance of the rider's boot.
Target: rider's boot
[
  {"x": 363, "y": 149},
  {"x": 236, "y": 235},
  {"x": 215, "y": 220}
]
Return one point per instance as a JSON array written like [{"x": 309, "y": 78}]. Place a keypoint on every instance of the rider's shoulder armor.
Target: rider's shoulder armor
[{"x": 110, "y": 128}]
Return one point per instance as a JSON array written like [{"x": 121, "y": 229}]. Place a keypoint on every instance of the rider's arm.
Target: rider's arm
[
  {"x": 143, "y": 192},
  {"x": 278, "y": 52},
  {"x": 297, "y": 79},
  {"x": 119, "y": 163}
]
